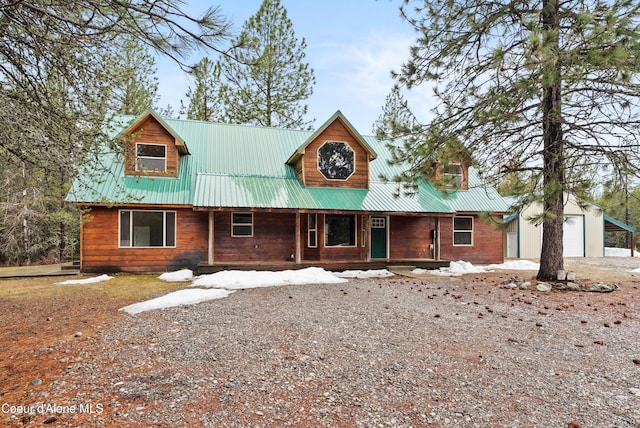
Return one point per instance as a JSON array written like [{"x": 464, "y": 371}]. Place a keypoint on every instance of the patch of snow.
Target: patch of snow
[
  {"x": 177, "y": 298},
  {"x": 177, "y": 276},
  {"x": 516, "y": 265},
  {"x": 85, "y": 281},
  {"x": 234, "y": 279},
  {"x": 635, "y": 270},
  {"x": 455, "y": 269},
  {"x": 619, "y": 252},
  {"x": 461, "y": 267},
  {"x": 373, "y": 273}
]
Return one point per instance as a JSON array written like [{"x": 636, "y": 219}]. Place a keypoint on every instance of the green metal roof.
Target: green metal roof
[
  {"x": 243, "y": 166},
  {"x": 215, "y": 190},
  {"x": 616, "y": 225}
]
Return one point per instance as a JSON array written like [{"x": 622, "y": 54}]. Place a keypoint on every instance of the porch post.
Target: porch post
[
  {"x": 82, "y": 220},
  {"x": 298, "y": 245},
  {"x": 366, "y": 227},
  {"x": 436, "y": 244},
  {"x": 210, "y": 251}
]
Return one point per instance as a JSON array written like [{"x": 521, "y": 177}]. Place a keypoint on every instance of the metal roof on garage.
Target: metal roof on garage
[{"x": 613, "y": 225}]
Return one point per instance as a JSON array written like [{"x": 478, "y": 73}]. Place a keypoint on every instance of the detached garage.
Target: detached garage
[{"x": 584, "y": 226}]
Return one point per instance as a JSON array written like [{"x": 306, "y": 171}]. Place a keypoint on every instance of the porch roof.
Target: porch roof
[{"x": 236, "y": 191}]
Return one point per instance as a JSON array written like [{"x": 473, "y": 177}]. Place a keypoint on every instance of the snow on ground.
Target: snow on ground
[
  {"x": 375, "y": 273},
  {"x": 85, "y": 281},
  {"x": 461, "y": 267},
  {"x": 455, "y": 269},
  {"x": 177, "y": 298},
  {"x": 619, "y": 252},
  {"x": 223, "y": 283},
  {"x": 177, "y": 276},
  {"x": 516, "y": 265},
  {"x": 235, "y": 279}
]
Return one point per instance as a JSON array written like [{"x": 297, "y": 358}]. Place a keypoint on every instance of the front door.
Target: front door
[{"x": 379, "y": 237}]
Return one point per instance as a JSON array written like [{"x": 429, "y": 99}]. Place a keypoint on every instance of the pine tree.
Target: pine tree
[
  {"x": 134, "y": 85},
  {"x": 203, "y": 96},
  {"x": 265, "y": 78},
  {"x": 549, "y": 89},
  {"x": 56, "y": 83}
]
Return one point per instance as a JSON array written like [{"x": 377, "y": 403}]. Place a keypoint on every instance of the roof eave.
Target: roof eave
[{"x": 180, "y": 143}]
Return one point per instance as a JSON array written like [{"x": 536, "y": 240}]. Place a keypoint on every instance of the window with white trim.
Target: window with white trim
[
  {"x": 147, "y": 228},
  {"x": 241, "y": 224},
  {"x": 339, "y": 230},
  {"x": 151, "y": 157},
  {"x": 312, "y": 231},
  {"x": 463, "y": 231},
  {"x": 452, "y": 175}
]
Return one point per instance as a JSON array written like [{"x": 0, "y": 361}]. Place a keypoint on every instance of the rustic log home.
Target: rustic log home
[{"x": 183, "y": 193}]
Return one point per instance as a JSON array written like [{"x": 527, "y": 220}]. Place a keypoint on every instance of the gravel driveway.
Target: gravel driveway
[{"x": 395, "y": 352}]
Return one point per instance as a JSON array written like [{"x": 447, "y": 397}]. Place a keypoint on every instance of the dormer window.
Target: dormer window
[
  {"x": 336, "y": 160},
  {"x": 453, "y": 175},
  {"x": 151, "y": 157}
]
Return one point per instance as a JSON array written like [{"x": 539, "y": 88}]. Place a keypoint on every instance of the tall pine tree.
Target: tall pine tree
[
  {"x": 546, "y": 88},
  {"x": 203, "y": 95},
  {"x": 265, "y": 78},
  {"x": 134, "y": 86}
]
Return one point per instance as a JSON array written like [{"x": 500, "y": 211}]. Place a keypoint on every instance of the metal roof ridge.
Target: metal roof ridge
[{"x": 221, "y": 174}]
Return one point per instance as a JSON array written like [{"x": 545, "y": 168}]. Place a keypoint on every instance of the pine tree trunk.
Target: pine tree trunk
[{"x": 553, "y": 171}]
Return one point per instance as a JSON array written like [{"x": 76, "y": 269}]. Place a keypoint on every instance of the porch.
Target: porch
[{"x": 205, "y": 268}]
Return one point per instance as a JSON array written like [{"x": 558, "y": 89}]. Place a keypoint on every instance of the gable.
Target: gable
[
  {"x": 150, "y": 149},
  {"x": 334, "y": 156}
]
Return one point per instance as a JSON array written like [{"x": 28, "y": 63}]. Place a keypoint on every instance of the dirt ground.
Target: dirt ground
[
  {"x": 42, "y": 325},
  {"x": 45, "y": 327}
]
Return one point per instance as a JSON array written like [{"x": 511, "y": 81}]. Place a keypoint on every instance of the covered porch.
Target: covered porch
[{"x": 254, "y": 239}]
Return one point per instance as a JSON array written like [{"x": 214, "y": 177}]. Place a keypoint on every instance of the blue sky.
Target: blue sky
[{"x": 352, "y": 45}]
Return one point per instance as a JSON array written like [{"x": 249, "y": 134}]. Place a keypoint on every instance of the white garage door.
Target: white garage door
[{"x": 573, "y": 236}]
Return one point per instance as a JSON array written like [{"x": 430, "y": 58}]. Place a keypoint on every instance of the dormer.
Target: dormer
[
  {"x": 451, "y": 174},
  {"x": 335, "y": 155},
  {"x": 152, "y": 148},
  {"x": 451, "y": 170}
]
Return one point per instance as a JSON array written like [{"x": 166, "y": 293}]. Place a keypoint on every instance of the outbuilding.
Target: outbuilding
[{"x": 584, "y": 227}]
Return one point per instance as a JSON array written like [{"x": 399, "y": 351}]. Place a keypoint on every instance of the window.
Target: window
[
  {"x": 452, "y": 175},
  {"x": 463, "y": 231},
  {"x": 312, "y": 242},
  {"x": 378, "y": 222},
  {"x": 147, "y": 228},
  {"x": 151, "y": 157},
  {"x": 336, "y": 160},
  {"x": 339, "y": 230},
  {"x": 241, "y": 224}
]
